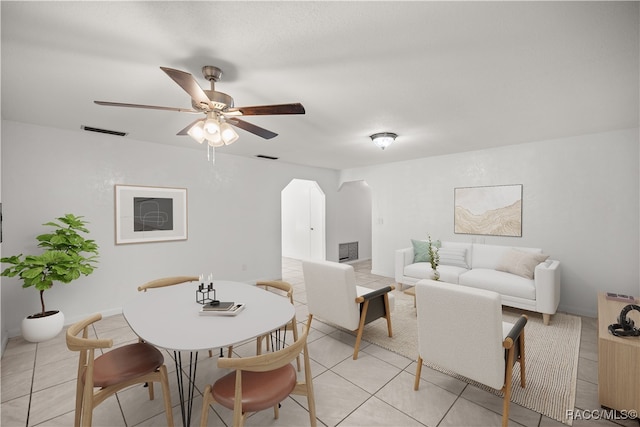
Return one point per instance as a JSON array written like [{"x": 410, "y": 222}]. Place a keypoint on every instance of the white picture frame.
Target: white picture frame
[
  {"x": 150, "y": 214},
  {"x": 491, "y": 210}
]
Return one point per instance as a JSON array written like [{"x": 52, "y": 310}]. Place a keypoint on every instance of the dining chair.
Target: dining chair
[
  {"x": 103, "y": 376},
  {"x": 167, "y": 281},
  {"x": 333, "y": 296},
  {"x": 460, "y": 329},
  {"x": 287, "y": 288},
  {"x": 259, "y": 382}
]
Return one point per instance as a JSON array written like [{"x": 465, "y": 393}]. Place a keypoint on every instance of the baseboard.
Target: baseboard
[{"x": 5, "y": 340}]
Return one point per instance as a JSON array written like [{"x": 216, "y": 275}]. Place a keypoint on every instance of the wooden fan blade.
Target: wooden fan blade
[
  {"x": 256, "y": 130},
  {"x": 150, "y": 107},
  {"x": 261, "y": 110},
  {"x": 186, "y": 129},
  {"x": 189, "y": 84}
]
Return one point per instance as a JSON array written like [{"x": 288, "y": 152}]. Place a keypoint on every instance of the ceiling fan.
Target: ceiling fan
[{"x": 218, "y": 109}]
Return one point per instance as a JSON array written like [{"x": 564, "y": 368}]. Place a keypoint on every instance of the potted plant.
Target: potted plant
[
  {"x": 434, "y": 258},
  {"x": 67, "y": 255}
]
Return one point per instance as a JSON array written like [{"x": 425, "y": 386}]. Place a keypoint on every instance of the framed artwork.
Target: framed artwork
[
  {"x": 150, "y": 214},
  {"x": 491, "y": 211}
]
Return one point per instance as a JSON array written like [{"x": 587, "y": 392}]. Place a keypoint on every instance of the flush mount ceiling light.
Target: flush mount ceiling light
[{"x": 383, "y": 139}]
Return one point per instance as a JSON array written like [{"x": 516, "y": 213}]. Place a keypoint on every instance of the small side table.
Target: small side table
[{"x": 618, "y": 360}]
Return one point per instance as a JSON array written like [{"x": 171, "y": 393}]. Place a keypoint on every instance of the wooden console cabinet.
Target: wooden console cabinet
[{"x": 618, "y": 359}]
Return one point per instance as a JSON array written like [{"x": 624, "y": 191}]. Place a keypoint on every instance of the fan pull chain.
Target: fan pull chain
[{"x": 211, "y": 154}]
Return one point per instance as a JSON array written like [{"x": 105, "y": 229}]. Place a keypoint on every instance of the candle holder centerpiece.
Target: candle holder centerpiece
[{"x": 203, "y": 293}]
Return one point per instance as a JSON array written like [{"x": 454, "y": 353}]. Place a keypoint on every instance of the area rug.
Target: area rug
[{"x": 551, "y": 356}]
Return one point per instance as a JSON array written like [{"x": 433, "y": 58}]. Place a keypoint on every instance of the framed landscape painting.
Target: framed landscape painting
[
  {"x": 491, "y": 211},
  {"x": 150, "y": 214}
]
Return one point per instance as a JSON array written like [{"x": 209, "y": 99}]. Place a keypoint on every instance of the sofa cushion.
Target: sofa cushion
[
  {"x": 420, "y": 251},
  {"x": 423, "y": 270},
  {"x": 520, "y": 262},
  {"x": 499, "y": 281},
  {"x": 450, "y": 273},
  {"x": 489, "y": 256},
  {"x": 453, "y": 256},
  {"x": 419, "y": 270}
]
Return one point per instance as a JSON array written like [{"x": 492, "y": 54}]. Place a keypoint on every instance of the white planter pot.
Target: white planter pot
[{"x": 38, "y": 329}]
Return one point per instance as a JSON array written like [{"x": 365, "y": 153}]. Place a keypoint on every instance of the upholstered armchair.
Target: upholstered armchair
[
  {"x": 460, "y": 329},
  {"x": 332, "y": 295}
]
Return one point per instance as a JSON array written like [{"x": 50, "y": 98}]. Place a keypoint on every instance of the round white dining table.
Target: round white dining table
[{"x": 169, "y": 318}]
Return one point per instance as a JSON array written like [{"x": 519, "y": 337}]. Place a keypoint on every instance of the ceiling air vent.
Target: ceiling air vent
[
  {"x": 262, "y": 156},
  {"x": 98, "y": 130}
]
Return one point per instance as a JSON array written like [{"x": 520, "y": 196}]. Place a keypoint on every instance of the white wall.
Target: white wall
[
  {"x": 3, "y": 332},
  {"x": 233, "y": 210},
  {"x": 581, "y": 204}
]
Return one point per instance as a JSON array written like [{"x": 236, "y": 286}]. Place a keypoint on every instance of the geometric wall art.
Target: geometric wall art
[
  {"x": 150, "y": 214},
  {"x": 492, "y": 210}
]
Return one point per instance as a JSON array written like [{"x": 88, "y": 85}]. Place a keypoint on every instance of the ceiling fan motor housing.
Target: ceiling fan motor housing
[{"x": 220, "y": 101}]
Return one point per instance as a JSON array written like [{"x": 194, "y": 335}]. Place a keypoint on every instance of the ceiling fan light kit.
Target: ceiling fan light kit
[
  {"x": 217, "y": 107},
  {"x": 197, "y": 132},
  {"x": 229, "y": 136},
  {"x": 383, "y": 139}
]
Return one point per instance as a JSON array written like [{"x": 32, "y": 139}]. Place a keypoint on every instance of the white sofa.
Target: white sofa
[{"x": 516, "y": 273}]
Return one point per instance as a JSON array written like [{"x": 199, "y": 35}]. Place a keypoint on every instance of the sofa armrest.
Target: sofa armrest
[
  {"x": 404, "y": 257},
  {"x": 547, "y": 282}
]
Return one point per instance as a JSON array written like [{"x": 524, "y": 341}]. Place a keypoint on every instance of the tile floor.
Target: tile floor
[{"x": 38, "y": 383}]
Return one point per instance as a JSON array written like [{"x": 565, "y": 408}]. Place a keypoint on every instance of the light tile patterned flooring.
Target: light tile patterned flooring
[{"x": 38, "y": 383}]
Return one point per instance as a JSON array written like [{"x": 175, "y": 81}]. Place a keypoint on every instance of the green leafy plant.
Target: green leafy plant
[
  {"x": 434, "y": 258},
  {"x": 66, "y": 257}
]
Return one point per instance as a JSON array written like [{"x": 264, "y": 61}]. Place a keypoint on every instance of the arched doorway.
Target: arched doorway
[{"x": 303, "y": 220}]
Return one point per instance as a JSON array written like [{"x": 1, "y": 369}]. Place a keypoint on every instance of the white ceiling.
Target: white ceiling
[{"x": 447, "y": 77}]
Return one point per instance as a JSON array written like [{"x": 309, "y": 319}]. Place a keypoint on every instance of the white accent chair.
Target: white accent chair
[
  {"x": 332, "y": 295},
  {"x": 461, "y": 329}
]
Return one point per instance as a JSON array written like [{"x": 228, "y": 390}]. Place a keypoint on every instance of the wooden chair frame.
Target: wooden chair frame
[
  {"x": 514, "y": 352},
  {"x": 373, "y": 305},
  {"x": 262, "y": 363},
  {"x": 86, "y": 397},
  {"x": 288, "y": 289},
  {"x": 167, "y": 281}
]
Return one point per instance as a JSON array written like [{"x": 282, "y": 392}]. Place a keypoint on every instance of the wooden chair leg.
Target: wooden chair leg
[
  {"x": 388, "y": 313},
  {"x": 151, "y": 393},
  {"x": 416, "y": 384},
  {"x": 87, "y": 407},
  {"x": 238, "y": 415},
  {"x": 363, "y": 316},
  {"x": 79, "y": 396},
  {"x": 523, "y": 380},
  {"x": 294, "y": 329},
  {"x": 206, "y": 401},
  {"x": 259, "y": 345},
  {"x": 507, "y": 387},
  {"x": 166, "y": 394}
]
